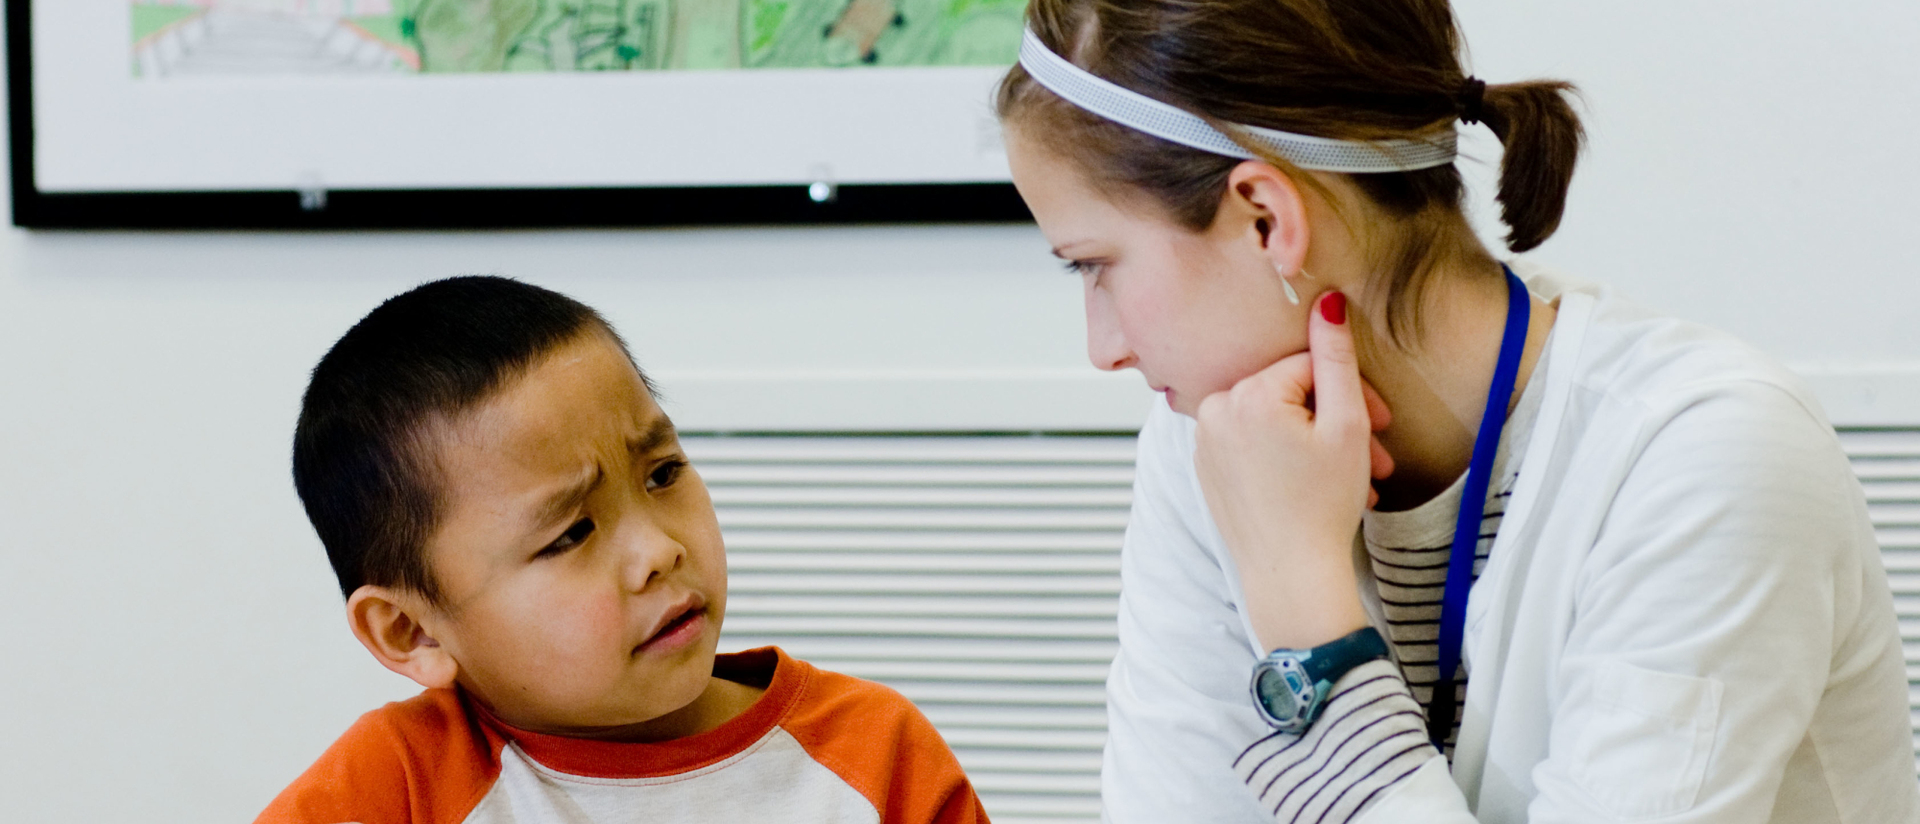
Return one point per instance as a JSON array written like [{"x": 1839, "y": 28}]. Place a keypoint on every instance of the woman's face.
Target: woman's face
[{"x": 1193, "y": 311}]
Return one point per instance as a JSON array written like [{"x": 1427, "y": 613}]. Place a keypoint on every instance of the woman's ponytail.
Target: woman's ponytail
[{"x": 1542, "y": 136}]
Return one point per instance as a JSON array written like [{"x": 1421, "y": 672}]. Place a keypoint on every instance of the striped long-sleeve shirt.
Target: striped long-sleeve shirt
[{"x": 1373, "y": 731}]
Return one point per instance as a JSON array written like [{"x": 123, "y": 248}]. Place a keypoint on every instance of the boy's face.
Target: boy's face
[{"x": 582, "y": 569}]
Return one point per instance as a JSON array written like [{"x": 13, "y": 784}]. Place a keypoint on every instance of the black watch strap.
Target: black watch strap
[{"x": 1335, "y": 658}]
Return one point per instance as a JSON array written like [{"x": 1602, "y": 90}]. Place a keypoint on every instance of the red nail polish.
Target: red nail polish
[{"x": 1334, "y": 308}]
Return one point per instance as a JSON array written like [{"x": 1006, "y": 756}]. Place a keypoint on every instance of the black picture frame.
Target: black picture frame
[{"x": 478, "y": 208}]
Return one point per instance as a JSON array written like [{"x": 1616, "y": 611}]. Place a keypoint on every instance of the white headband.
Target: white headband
[{"x": 1138, "y": 111}]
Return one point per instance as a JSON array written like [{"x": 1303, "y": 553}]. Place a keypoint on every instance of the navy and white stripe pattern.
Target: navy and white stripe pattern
[
  {"x": 1370, "y": 736},
  {"x": 1412, "y": 582},
  {"x": 1373, "y": 732}
]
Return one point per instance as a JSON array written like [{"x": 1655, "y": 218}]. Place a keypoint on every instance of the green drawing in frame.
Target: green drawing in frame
[{"x": 245, "y": 37}]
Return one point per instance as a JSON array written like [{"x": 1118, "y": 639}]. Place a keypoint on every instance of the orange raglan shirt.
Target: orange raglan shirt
[{"x": 817, "y": 747}]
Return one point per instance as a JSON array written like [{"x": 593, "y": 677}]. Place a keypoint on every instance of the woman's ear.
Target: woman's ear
[
  {"x": 387, "y": 623},
  {"x": 1265, "y": 203}
]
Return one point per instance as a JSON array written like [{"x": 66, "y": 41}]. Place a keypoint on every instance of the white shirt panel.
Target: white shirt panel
[{"x": 735, "y": 789}]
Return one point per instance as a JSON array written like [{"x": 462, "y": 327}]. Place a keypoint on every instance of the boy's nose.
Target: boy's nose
[{"x": 650, "y": 553}]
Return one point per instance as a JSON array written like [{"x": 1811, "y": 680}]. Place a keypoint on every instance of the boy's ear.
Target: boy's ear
[{"x": 386, "y": 622}]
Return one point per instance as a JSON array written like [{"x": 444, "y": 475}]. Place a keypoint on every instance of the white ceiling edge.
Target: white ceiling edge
[{"x": 1035, "y": 400}]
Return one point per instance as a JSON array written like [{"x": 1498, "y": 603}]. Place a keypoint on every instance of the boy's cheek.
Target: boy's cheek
[
  {"x": 601, "y": 620},
  {"x": 709, "y": 551}
]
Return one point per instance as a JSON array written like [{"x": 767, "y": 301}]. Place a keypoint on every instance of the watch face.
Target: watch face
[{"x": 1276, "y": 694}]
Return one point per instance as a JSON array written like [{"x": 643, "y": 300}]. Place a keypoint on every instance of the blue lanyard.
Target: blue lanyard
[{"x": 1473, "y": 501}]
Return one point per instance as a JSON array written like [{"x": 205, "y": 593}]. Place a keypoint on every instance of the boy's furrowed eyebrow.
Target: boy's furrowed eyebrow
[
  {"x": 568, "y": 499},
  {"x": 658, "y": 432}
]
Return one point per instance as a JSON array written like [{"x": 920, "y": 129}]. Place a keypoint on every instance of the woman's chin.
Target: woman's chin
[{"x": 1181, "y": 403}]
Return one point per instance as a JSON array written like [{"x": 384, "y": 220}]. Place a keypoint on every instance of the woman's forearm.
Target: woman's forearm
[{"x": 1300, "y": 600}]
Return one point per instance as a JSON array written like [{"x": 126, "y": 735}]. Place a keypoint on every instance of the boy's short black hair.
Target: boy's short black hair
[{"x": 362, "y": 452}]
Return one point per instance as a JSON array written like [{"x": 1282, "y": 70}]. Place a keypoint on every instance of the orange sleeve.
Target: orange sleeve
[
  {"x": 879, "y": 743},
  {"x": 420, "y": 761}
]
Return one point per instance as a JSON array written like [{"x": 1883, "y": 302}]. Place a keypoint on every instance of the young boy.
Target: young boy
[{"x": 517, "y": 530}]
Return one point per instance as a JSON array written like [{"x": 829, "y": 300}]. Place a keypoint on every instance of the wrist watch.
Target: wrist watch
[{"x": 1290, "y": 686}]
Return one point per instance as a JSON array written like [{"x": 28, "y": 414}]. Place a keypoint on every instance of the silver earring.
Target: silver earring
[{"x": 1287, "y": 285}]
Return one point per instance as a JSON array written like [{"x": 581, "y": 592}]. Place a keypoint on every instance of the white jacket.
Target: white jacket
[{"x": 1685, "y": 615}]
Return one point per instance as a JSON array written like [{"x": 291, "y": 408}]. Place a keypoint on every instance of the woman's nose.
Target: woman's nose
[{"x": 1106, "y": 347}]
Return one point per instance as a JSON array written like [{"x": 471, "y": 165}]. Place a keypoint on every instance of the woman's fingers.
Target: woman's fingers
[
  {"x": 1379, "y": 417},
  {"x": 1338, "y": 397},
  {"x": 1377, "y": 412},
  {"x": 1285, "y": 385},
  {"x": 1381, "y": 462}
]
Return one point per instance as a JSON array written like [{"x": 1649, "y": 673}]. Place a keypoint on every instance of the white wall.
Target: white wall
[{"x": 172, "y": 648}]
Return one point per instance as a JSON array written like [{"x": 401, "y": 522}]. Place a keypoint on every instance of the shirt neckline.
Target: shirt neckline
[
  {"x": 1431, "y": 524},
  {"x": 616, "y": 759}
]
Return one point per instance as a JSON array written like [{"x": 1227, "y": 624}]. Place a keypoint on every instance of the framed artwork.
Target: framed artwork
[{"x": 480, "y": 113}]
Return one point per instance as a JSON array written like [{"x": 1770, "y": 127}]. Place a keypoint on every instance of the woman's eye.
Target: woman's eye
[
  {"x": 568, "y": 539},
  {"x": 1084, "y": 267},
  {"x": 665, "y": 474}
]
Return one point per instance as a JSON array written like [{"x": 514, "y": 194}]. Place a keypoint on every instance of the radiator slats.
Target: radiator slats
[
  {"x": 979, "y": 576},
  {"x": 860, "y": 498},
  {"x": 951, "y": 476},
  {"x": 801, "y": 626},
  {"x": 775, "y": 540},
  {"x": 1057, "y": 606},
  {"x": 1021, "y": 564},
  {"x": 921, "y": 453},
  {"x": 957, "y": 584},
  {"x": 882, "y": 649},
  {"x": 1003, "y": 519},
  {"x": 1888, "y": 464}
]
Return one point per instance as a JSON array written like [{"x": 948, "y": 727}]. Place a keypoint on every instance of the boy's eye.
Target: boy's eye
[
  {"x": 665, "y": 474},
  {"x": 568, "y": 539}
]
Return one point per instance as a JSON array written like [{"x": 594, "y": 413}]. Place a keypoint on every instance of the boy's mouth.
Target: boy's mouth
[{"x": 679, "y": 625}]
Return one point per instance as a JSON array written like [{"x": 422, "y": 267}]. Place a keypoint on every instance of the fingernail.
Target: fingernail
[{"x": 1334, "y": 308}]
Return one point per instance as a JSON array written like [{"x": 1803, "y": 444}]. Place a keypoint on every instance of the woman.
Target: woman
[{"x": 1661, "y": 598}]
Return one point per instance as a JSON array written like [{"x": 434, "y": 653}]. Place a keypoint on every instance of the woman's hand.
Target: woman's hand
[{"x": 1284, "y": 459}]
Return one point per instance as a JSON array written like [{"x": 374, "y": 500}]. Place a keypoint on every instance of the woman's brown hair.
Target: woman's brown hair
[{"x": 1347, "y": 69}]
